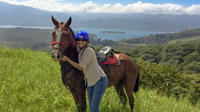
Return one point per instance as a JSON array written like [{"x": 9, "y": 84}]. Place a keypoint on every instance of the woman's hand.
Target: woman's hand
[
  {"x": 65, "y": 58},
  {"x": 74, "y": 64}
]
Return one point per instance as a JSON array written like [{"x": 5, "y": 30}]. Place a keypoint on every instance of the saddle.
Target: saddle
[{"x": 106, "y": 55}]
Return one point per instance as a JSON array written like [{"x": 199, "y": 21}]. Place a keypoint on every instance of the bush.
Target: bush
[{"x": 169, "y": 80}]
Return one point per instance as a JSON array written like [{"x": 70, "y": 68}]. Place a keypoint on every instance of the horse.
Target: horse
[{"x": 125, "y": 75}]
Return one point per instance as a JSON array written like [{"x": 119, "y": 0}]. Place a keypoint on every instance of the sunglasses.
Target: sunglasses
[{"x": 81, "y": 39}]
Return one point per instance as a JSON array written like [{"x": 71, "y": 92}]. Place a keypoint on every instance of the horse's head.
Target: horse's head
[{"x": 66, "y": 38}]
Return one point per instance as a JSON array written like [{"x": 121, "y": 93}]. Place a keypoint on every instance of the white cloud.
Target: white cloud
[{"x": 138, "y": 7}]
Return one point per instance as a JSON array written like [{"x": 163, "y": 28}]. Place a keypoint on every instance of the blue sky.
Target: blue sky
[{"x": 176, "y": 7}]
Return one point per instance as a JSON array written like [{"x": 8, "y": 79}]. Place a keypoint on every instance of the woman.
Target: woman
[{"x": 96, "y": 79}]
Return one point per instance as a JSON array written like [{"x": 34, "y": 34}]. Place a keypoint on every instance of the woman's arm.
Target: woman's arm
[{"x": 74, "y": 64}]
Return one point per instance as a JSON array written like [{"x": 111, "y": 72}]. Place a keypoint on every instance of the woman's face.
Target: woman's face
[{"x": 81, "y": 43}]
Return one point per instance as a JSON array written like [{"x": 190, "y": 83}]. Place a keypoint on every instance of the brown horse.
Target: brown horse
[{"x": 125, "y": 75}]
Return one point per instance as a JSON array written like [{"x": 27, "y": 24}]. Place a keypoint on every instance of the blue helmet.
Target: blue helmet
[{"x": 82, "y": 35}]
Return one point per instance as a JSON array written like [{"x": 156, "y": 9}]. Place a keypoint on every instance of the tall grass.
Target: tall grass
[{"x": 30, "y": 82}]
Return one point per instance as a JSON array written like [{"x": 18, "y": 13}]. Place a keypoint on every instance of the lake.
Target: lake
[{"x": 103, "y": 34}]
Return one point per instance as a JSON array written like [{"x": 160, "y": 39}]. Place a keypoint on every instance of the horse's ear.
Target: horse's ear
[
  {"x": 55, "y": 22},
  {"x": 68, "y": 23}
]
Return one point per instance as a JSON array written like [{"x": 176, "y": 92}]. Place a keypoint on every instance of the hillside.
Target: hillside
[{"x": 30, "y": 81}]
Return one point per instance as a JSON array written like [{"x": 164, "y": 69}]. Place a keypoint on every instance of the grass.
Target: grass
[{"x": 30, "y": 82}]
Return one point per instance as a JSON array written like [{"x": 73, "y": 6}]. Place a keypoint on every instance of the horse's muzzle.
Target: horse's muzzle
[{"x": 56, "y": 56}]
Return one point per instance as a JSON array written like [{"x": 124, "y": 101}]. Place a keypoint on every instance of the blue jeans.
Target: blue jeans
[{"x": 96, "y": 92}]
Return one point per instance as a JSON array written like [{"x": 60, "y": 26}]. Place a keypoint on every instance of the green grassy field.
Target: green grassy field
[{"x": 30, "y": 81}]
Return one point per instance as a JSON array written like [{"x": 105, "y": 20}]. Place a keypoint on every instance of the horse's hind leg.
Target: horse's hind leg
[
  {"x": 129, "y": 86},
  {"x": 120, "y": 92}
]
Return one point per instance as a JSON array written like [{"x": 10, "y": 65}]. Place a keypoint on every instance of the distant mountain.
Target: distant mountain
[
  {"x": 22, "y": 15},
  {"x": 159, "y": 22}
]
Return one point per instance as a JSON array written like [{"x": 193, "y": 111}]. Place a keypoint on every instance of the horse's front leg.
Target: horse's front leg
[{"x": 80, "y": 99}]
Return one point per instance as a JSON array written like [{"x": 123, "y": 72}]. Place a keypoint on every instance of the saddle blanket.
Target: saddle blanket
[{"x": 112, "y": 60}]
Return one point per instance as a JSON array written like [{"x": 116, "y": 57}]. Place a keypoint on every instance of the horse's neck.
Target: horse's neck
[{"x": 71, "y": 52}]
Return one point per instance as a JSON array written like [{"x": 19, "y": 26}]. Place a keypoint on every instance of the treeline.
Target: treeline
[
  {"x": 169, "y": 81},
  {"x": 185, "y": 57},
  {"x": 164, "y": 38}
]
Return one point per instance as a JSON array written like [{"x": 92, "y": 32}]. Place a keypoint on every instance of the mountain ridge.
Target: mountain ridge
[{"x": 28, "y": 16}]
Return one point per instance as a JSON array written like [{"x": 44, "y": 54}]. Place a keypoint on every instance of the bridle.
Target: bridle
[
  {"x": 59, "y": 47},
  {"x": 59, "y": 43},
  {"x": 54, "y": 43}
]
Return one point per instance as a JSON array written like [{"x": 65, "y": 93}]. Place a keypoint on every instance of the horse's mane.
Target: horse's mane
[
  {"x": 71, "y": 50},
  {"x": 72, "y": 32}
]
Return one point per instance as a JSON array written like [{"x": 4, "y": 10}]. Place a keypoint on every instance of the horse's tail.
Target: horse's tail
[{"x": 137, "y": 82}]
